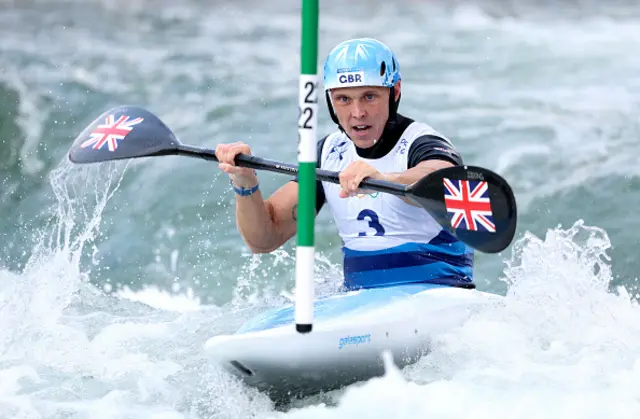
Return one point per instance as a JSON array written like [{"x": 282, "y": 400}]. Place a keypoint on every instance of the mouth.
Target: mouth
[{"x": 361, "y": 129}]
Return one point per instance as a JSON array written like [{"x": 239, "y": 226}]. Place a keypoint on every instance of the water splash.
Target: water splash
[
  {"x": 157, "y": 298},
  {"x": 256, "y": 281},
  {"x": 560, "y": 344},
  {"x": 32, "y": 302},
  {"x": 69, "y": 350}
]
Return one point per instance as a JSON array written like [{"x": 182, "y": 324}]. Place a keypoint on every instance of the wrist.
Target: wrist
[
  {"x": 387, "y": 177},
  {"x": 246, "y": 182},
  {"x": 244, "y": 190}
]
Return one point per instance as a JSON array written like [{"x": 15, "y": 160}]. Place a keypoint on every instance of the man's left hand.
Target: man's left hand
[{"x": 353, "y": 174}]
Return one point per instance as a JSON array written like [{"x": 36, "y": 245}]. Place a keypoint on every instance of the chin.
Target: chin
[
  {"x": 362, "y": 142},
  {"x": 366, "y": 142}
]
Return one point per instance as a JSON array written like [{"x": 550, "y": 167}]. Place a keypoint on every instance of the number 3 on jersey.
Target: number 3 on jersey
[{"x": 374, "y": 222}]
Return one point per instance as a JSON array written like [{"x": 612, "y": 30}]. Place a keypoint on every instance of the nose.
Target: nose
[{"x": 357, "y": 110}]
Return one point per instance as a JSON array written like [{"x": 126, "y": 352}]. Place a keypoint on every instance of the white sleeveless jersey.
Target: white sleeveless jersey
[{"x": 386, "y": 240}]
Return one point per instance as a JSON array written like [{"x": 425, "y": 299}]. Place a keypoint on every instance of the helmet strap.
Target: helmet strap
[
  {"x": 393, "y": 104},
  {"x": 334, "y": 117}
]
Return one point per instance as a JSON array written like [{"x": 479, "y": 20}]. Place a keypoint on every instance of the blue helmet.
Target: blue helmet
[{"x": 361, "y": 62}]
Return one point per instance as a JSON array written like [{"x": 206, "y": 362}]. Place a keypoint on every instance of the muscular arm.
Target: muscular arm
[{"x": 267, "y": 225}]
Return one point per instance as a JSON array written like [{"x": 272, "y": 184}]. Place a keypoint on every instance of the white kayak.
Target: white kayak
[{"x": 350, "y": 333}]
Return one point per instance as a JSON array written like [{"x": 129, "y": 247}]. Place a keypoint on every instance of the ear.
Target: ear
[{"x": 396, "y": 89}]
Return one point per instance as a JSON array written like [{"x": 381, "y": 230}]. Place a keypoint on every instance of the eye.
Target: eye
[
  {"x": 342, "y": 99},
  {"x": 370, "y": 96}
]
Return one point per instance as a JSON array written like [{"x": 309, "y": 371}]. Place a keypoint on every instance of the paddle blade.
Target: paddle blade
[
  {"x": 474, "y": 204},
  {"x": 124, "y": 132}
]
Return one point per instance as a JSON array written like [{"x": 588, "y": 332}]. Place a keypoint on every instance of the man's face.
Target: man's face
[{"x": 362, "y": 112}]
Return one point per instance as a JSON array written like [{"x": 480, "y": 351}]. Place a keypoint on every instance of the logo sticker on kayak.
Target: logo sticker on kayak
[
  {"x": 109, "y": 133},
  {"x": 354, "y": 340},
  {"x": 469, "y": 204}
]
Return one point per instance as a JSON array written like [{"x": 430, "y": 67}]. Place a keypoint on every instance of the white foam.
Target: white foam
[
  {"x": 164, "y": 300},
  {"x": 561, "y": 346}
]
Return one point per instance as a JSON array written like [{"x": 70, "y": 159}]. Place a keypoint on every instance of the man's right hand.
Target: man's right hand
[{"x": 240, "y": 176}]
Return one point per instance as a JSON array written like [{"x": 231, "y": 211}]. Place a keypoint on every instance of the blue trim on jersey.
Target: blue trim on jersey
[
  {"x": 442, "y": 261},
  {"x": 404, "y": 259},
  {"x": 436, "y": 273}
]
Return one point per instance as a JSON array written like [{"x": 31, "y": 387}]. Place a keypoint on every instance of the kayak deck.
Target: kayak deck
[{"x": 350, "y": 333}]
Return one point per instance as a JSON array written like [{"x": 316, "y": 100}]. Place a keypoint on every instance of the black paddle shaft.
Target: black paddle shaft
[{"x": 258, "y": 163}]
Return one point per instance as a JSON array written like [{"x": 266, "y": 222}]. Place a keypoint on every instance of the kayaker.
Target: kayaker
[{"x": 386, "y": 240}]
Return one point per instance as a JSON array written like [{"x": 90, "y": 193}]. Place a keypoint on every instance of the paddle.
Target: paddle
[{"x": 474, "y": 204}]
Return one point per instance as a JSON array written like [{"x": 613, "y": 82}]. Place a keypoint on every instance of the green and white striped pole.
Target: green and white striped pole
[{"x": 307, "y": 124}]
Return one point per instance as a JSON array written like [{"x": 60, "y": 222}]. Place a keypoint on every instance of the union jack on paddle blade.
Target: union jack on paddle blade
[
  {"x": 469, "y": 204},
  {"x": 110, "y": 132}
]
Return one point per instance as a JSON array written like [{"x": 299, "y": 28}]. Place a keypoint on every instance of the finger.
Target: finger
[
  {"x": 220, "y": 151},
  {"x": 227, "y": 168},
  {"x": 240, "y": 147},
  {"x": 353, "y": 187},
  {"x": 349, "y": 187},
  {"x": 355, "y": 184},
  {"x": 344, "y": 181},
  {"x": 229, "y": 154},
  {"x": 372, "y": 174},
  {"x": 233, "y": 153},
  {"x": 361, "y": 187},
  {"x": 226, "y": 155},
  {"x": 345, "y": 194},
  {"x": 236, "y": 170},
  {"x": 237, "y": 149}
]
